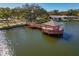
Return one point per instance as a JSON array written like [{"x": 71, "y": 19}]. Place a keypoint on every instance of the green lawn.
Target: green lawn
[{"x": 12, "y": 24}]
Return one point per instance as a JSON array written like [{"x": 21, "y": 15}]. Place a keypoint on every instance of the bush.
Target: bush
[{"x": 41, "y": 21}]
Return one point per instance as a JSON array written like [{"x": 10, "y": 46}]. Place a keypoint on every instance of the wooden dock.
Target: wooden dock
[
  {"x": 50, "y": 27},
  {"x": 34, "y": 26}
]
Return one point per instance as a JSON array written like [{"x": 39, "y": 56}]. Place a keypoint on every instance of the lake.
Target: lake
[{"x": 23, "y": 41}]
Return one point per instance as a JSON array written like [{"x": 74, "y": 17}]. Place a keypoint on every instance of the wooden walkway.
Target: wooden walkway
[{"x": 49, "y": 27}]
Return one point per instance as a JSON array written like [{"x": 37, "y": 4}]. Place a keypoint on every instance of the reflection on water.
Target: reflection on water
[
  {"x": 48, "y": 39},
  {"x": 66, "y": 36},
  {"x": 5, "y": 50}
]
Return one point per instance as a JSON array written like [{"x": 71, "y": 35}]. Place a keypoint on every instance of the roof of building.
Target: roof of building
[{"x": 57, "y": 16}]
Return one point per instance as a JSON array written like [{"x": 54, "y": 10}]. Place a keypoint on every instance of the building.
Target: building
[{"x": 63, "y": 18}]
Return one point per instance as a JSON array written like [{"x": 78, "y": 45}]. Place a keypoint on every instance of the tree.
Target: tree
[
  {"x": 5, "y": 13},
  {"x": 72, "y": 12},
  {"x": 37, "y": 11}
]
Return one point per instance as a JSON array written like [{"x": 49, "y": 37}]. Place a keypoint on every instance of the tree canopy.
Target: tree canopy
[{"x": 33, "y": 11}]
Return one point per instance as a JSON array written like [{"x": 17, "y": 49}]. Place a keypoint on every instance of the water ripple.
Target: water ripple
[{"x": 5, "y": 50}]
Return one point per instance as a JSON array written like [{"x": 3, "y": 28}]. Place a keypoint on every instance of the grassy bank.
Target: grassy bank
[{"x": 11, "y": 25}]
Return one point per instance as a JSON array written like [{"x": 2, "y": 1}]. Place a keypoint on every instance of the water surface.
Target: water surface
[{"x": 24, "y": 41}]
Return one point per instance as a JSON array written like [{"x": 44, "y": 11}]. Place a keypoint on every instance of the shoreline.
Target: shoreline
[{"x": 10, "y": 27}]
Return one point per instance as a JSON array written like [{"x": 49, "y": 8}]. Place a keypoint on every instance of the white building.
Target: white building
[{"x": 63, "y": 18}]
